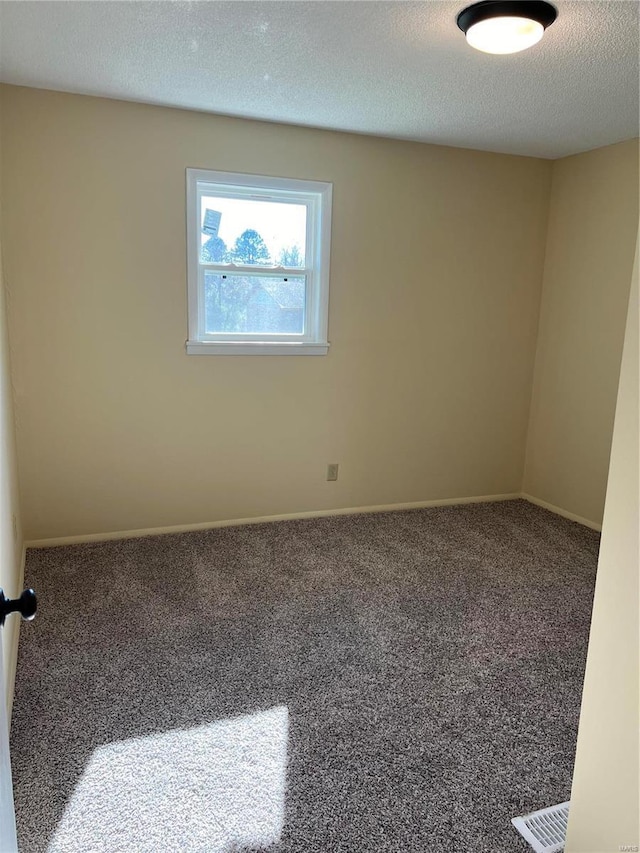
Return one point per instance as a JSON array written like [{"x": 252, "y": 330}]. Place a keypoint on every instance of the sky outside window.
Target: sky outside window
[{"x": 281, "y": 226}]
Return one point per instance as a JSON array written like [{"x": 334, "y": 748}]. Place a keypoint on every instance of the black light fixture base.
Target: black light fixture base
[{"x": 537, "y": 10}]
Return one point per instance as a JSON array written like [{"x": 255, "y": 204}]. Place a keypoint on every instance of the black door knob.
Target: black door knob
[{"x": 26, "y": 605}]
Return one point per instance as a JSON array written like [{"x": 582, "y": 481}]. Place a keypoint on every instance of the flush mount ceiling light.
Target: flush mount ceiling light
[{"x": 506, "y": 26}]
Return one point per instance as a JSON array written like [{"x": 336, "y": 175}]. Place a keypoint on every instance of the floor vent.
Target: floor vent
[{"x": 546, "y": 829}]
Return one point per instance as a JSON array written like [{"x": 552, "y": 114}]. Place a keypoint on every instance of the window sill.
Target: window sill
[{"x": 255, "y": 348}]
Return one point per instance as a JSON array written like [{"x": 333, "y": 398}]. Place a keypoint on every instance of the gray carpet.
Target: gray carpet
[{"x": 396, "y": 682}]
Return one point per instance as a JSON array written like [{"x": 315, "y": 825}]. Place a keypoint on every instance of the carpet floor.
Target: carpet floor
[{"x": 402, "y": 681}]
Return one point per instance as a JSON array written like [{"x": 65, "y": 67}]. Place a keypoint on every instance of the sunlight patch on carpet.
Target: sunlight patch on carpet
[{"x": 217, "y": 787}]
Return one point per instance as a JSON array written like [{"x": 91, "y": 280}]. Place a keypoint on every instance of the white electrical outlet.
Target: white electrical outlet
[{"x": 332, "y": 471}]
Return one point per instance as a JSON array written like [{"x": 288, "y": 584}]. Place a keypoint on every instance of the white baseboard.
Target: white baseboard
[
  {"x": 209, "y": 525},
  {"x": 563, "y": 512}
]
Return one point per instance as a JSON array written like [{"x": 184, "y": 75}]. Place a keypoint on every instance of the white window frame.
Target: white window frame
[{"x": 317, "y": 197}]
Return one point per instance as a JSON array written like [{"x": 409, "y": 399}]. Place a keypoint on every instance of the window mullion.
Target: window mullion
[{"x": 231, "y": 269}]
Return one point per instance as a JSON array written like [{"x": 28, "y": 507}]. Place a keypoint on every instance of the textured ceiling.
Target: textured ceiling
[{"x": 399, "y": 69}]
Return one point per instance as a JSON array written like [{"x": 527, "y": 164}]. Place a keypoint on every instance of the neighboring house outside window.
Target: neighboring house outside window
[{"x": 258, "y": 264}]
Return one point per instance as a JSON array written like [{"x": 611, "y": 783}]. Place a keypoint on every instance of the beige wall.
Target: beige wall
[
  {"x": 436, "y": 268},
  {"x": 593, "y": 221},
  {"x": 11, "y": 551},
  {"x": 604, "y": 797}
]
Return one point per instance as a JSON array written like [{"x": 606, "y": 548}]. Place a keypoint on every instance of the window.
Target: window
[{"x": 258, "y": 264}]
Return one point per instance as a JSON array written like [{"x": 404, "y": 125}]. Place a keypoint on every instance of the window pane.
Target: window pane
[
  {"x": 248, "y": 304},
  {"x": 252, "y": 232}
]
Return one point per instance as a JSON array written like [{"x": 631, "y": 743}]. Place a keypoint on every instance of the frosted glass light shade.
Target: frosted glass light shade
[
  {"x": 506, "y": 26},
  {"x": 504, "y": 35}
]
